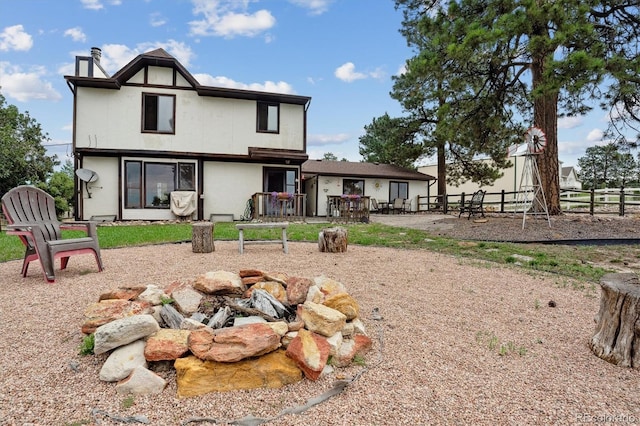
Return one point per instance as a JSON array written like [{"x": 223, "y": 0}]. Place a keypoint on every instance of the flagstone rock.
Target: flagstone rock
[
  {"x": 219, "y": 282},
  {"x": 321, "y": 319},
  {"x": 122, "y": 361},
  {"x": 198, "y": 377},
  {"x": 310, "y": 351},
  {"x": 329, "y": 286},
  {"x": 124, "y": 293},
  {"x": 243, "y": 273},
  {"x": 153, "y": 294},
  {"x": 108, "y": 310},
  {"x": 232, "y": 344},
  {"x": 187, "y": 300},
  {"x": 359, "y": 345},
  {"x": 297, "y": 289},
  {"x": 343, "y": 302},
  {"x": 141, "y": 382},
  {"x": 167, "y": 344},
  {"x": 123, "y": 331},
  {"x": 249, "y": 281}
]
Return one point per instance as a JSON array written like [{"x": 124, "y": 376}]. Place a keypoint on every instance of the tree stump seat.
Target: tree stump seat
[
  {"x": 202, "y": 237},
  {"x": 333, "y": 240},
  {"x": 618, "y": 320}
]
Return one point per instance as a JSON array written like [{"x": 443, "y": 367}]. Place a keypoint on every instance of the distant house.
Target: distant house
[
  {"x": 384, "y": 182},
  {"x": 151, "y": 134},
  {"x": 510, "y": 181},
  {"x": 569, "y": 178}
]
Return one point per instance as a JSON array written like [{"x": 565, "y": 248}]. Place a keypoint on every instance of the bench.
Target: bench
[{"x": 274, "y": 225}]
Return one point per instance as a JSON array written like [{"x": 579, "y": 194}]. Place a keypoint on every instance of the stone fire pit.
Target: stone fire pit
[{"x": 225, "y": 331}]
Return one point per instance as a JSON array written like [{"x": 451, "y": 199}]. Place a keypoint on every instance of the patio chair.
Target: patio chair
[
  {"x": 398, "y": 205},
  {"x": 374, "y": 206},
  {"x": 31, "y": 215},
  {"x": 474, "y": 205}
]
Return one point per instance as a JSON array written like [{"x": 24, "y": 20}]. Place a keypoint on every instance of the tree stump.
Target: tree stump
[
  {"x": 202, "y": 237},
  {"x": 618, "y": 320},
  {"x": 333, "y": 240}
]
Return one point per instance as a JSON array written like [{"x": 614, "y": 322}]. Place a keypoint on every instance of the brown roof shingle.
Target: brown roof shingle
[{"x": 370, "y": 170}]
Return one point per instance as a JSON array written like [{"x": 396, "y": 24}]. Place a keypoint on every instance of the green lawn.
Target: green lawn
[{"x": 574, "y": 262}]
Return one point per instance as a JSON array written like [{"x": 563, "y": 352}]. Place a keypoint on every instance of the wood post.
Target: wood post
[
  {"x": 333, "y": 240},
  {"x": 202, "y": 237},
  {"x": 615, "y": 336}
]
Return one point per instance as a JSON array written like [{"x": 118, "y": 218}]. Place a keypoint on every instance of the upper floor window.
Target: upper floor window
[
  {"x": 353, "y": 187},
  {"x": 158, "y": 112},
  {"x": 268, "y": 117}
]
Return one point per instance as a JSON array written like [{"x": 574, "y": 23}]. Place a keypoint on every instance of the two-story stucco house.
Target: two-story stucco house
[{"x": 151, "y": 130}]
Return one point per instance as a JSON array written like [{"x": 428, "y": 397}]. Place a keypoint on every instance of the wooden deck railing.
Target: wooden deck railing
[
  {"x": 279, "y": 207},
  {"x": 348, "y": 208}
]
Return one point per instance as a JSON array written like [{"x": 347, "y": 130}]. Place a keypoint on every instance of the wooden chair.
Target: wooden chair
[
  {"x": 31, "y": 215},
  {"x": 474, "y": 205}
]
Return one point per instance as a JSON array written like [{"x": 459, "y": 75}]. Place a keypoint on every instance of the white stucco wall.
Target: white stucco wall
[
  {"x": 104, "y": 191},
  {"x": 377, "y": 188},
  {"x": 112, "y": 119}
]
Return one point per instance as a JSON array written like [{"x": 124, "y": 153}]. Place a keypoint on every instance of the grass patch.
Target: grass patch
[
  {"x": 575, "y": 262},
  {"x": 87, "y": 345}
]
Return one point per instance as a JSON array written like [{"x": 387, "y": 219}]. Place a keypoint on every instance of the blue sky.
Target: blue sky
[{"x": 341, "y": 53}]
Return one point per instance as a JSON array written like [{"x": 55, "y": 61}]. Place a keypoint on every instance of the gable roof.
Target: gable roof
[
  {"x": 161, "y": 58},
  {"x": 365, "y": 170},
  {"x": 566, "y": 171}
]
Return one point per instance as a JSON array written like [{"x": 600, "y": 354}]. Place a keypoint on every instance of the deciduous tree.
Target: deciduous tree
[{"x": 23, "y": 158}]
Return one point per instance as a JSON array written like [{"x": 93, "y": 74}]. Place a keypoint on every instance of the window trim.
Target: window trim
[
  {"x": 143, "y": 163},
  {"x": 259, "y": 104},
  {"x": 391, "y": 182},
  {"x": 143, "y": 128},
  {"x": 352, "y": 180}
]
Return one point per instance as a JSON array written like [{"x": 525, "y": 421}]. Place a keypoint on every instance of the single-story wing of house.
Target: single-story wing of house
[
  {"x": 324, "y": 179},
  {"x": 152, "y": 143}
]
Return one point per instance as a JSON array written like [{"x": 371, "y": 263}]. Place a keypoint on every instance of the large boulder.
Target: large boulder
[
  {"x": 232, "y": 344},
  {"x": 167, "y": 344},
  {"x": 197, "y": 377},
  {"x": 122, "y": 361},
  {"x": 108, "y": 310},
  {"x": 123, "y": 331},
  {"x": 310, "y": 351},
  {"x": 219, "y": 282},
  {"x": 321, "y": 319}
]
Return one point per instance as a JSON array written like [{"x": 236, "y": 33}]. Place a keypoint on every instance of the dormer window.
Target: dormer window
[
  {"x": 268, "y": 117},
  {"x": 158, "y": 113}
]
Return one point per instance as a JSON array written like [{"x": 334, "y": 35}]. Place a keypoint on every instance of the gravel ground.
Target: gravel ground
[{"x": 460, "y": 342}]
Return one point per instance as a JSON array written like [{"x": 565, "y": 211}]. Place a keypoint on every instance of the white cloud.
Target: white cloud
[
  {"x": 595, "y": 135},
  {"x": 569, "y": 122},
  {"x": 76, "y": 34},
  {"x": 15, "y": 38},
  {"x": 115, "y": 56},
  {"x": 319, "y": 139},
  {"x": 347, "y": 72},
  {"x": 316, "y": 7},
  {"x": 157, "y": 20},
  {"x": 229, "y": 18},
  {"x": 267, "y": 86},
  {"x": 26, "y": 86},
  {"x": 97, "y": 4}
]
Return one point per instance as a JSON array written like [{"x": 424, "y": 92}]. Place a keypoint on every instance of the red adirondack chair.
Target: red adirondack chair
[{"x": 31, "y": 215}]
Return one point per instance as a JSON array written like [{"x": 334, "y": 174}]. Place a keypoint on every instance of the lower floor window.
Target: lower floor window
[
  {"x": 149, "y": 184},
  {"x": 398, "y": 190}
]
